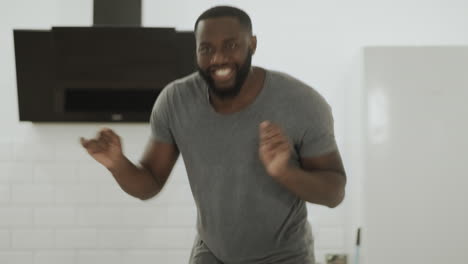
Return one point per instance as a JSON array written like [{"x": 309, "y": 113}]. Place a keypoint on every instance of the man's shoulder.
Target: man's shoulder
[
  {"x": 190, "y": 80},
  {"x": 188, "y": 86},
  {"x": 288, "y": 86},
  {"x": 283, "y": 78}
]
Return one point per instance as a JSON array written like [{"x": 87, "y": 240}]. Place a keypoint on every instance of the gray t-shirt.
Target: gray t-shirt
[{"x": 244, "y": 215}]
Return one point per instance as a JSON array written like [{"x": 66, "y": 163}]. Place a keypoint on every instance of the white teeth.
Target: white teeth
[{"x": 223, "y": 72}]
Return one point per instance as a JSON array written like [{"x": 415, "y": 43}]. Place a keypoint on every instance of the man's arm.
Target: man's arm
[
  {"x": 319, "y": 180},
  {"x": 142, "y": 181}
]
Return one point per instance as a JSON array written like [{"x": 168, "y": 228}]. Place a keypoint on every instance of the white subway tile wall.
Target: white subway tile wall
[
  {"x": 32, "y": 238},
  {"x": 59, "y": 206},
  {"x": 14, "y": 172},
  {"x": 6, "y": 151},
  {"x": 99, "y": 257},
  {"x": 4, "y": 194},
  {"x": 54, "y": 257},
  {"x": 5, "y": 241},
  {"x": 76, "y": 238},
  {"x": 16, "y": 257}
]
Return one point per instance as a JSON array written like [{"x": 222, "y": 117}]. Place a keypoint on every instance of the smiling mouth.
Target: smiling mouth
[{"x": 222, "y": 74}]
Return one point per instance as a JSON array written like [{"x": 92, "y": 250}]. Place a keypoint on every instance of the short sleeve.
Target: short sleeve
[
  {"x": 160, "y": 118},
  {"x": 318, "y": 135}
]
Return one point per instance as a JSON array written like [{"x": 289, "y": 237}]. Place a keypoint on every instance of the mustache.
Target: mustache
[
  {"x": 248, "y": 60},
  {"x": 242, "y": 72}
]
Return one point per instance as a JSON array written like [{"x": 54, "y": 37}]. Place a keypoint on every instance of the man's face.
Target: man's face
[{"x": 224, "y": 54}]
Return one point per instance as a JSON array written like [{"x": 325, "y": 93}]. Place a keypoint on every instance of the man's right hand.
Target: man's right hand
[
  {"x": 143, "y": 180},
  {"x": 106, "y": 148}
]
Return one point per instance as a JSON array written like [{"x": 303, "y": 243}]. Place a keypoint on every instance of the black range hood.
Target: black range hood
[{"x": 111, "y": 72}]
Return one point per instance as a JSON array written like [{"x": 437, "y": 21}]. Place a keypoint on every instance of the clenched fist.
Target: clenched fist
[
  {"x": 274, "y": 149},
  {"x": 106, "y": 148}
]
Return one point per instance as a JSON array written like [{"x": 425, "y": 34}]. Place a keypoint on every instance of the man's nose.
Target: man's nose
[{"x": 219, "y": 57}]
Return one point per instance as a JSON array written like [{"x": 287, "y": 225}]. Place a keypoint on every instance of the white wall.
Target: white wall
[{"x": 56, "y": 203}]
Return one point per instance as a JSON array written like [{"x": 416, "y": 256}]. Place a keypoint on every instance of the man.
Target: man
[{"x": 257, "y": 144}]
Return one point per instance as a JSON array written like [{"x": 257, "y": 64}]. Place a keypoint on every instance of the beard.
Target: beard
[{"x": 241, "y": 75}]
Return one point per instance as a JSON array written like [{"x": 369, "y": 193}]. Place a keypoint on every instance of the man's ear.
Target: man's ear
[{"x": 253, "y": 44}]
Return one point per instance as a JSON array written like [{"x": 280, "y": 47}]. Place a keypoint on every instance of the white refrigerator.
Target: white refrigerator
[{"x": 416, "y": 155}]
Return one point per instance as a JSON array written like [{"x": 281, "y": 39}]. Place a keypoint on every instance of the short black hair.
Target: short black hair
[{"x": 226, "y": 11}]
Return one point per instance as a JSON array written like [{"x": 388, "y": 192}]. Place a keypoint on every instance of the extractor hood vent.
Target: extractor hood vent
[
  {"x": 112, "y": 71},
  {"x": 117, "y": 13}
]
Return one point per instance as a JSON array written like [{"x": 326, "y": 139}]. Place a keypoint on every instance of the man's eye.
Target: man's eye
[
  {"x": 232, "y": 45},
  {"x": 204, "y": 50}
]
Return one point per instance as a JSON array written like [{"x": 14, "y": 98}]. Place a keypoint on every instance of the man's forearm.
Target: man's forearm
[
  {"x": 135, "y": 180},
  {"x": 319, "y": 187}
]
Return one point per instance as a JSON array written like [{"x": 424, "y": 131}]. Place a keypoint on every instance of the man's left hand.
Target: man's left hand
[{"x": 274, "y": 149}]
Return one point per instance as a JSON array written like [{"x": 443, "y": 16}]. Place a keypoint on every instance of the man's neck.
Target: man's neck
[{"x": 249, "y": 91}]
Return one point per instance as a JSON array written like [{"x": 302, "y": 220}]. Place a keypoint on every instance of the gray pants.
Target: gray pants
[{"x": 202, "y": 255}]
